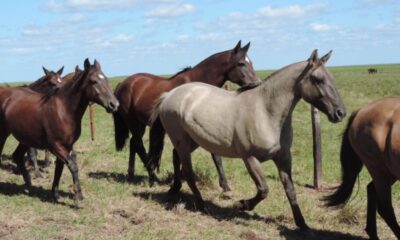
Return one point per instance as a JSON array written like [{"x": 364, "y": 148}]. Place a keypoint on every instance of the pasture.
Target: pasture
[{"x": 117, "y": 209}]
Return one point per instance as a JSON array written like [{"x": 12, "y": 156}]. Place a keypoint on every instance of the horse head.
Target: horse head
[
  {"x": 97, "y": 87},
  {"x": 318, "y": 88},
  {"x": 240, "y": 67}
]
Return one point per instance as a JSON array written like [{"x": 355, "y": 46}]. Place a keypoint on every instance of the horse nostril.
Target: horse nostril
[
  {"x": 340, "y": 113},
  {"x": 113, "y": 106}
]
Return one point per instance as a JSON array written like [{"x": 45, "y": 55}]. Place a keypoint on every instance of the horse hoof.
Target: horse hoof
[
  {"x": 242, "y": 205},
  {"x": 130, "y": 177},
  {"x": 37, "y": 175},
  {"x": 226, "y": 195},
  {"x": 78, "y": 204},
  {"x": 173, "y": 191}
]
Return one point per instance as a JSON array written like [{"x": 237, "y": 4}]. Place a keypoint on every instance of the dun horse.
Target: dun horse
[
  {"x": 138, "y": 94},
  {"x": 55, "y": 120},
  {"x": 255, "y": 124},
  {"x": 372, "y": 138}
]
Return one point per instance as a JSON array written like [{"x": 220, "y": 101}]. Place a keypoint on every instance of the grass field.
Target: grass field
[{"x": 117, "y": 209}]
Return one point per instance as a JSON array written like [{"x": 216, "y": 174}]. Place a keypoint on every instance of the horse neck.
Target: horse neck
[
  {"x": 208, "y": 71},
  {"x": 280, "y": 93},
  {"x": 74, "y": 100}
]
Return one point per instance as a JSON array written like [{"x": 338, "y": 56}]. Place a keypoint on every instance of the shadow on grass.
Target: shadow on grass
[
  {"x": 231, "y": 213},
  {"x": 44, "y": 195},
  {"x": 123, "y": 178}
]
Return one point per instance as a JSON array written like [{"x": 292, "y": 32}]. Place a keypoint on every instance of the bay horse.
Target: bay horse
[
  {"x": 52, "y": 83},
  {"x": 138, "y": 93},
  {"x": 255, "y": 124},
  {"x": 49, "y": 82},
  {"x": 55, "y": 121},
  {"x": 372, "y": 138}
]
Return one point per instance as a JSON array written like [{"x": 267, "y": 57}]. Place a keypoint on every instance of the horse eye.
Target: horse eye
[{"x": 241, "y": 64}]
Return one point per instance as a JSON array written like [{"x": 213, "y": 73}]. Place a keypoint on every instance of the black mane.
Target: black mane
[{"x": 181, "y": 71}]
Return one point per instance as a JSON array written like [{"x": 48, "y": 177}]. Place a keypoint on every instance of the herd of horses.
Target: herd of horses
[{"x": 253, "y": 123}]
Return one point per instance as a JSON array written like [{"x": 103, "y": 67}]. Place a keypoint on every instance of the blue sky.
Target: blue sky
[{"x": 163, "y": 36}]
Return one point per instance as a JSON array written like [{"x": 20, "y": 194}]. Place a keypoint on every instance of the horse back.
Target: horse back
[{"x": 138, "y": 93}]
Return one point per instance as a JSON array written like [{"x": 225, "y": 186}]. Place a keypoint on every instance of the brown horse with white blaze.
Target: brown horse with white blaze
[
  {"x": 372, "y": 138},
  {"x": 138, "y": 93}
]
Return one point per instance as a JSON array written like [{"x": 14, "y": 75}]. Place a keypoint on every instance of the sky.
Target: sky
[{"x": 164, "y": 36}]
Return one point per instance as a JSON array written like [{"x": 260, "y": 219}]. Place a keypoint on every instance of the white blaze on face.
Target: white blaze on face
[
  {"x": 59, "y": 80},
  {"x": 248, "y": 59},
  {"x": 101, "y": 76}
]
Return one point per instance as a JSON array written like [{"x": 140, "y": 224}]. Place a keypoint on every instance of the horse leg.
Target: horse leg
[
  {"x": 46, "y": 159},
  {"x": 3, "y": 138},
  {"x": 223, "y": 183},
  {"x": 383, "y": 189},
  {"x": 18, "y": 157},
  {"x": 157, "y": 133},
  {"x": 177, "y": 184},
  {"x": 284, "y": 165},
  {"x": 371, "y": 211},
  {"x": 136, "y": 146},
  {"x": 32, "y": 155},
  {"x": 56, "y": 182},
  {"x": 70, "y": 160},
  {"x": 254, "y": 168},
  {"x": 187, "y": 170}
]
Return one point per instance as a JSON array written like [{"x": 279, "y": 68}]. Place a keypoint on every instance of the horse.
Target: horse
[
  {"x": 372, "y": 138},
  {"x": 49, "y": 82},
  {"x": 55, "y": 121},
  {"x": 255, "y": 124},
  {"x": 138, "y": 93},
  {"x": 42, "y": 86},
  {"x": 372, "y": 70}
]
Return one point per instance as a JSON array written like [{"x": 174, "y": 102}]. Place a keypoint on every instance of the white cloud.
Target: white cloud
[
  {"x": 122, "y": 37},
  {"x": 318, "y": 27},
  {"x": 23, "y": 50},
  {"x": 170, "y": 11},
  {"x": 291, "y": 11},
  {"x": 97, "y": 5}
]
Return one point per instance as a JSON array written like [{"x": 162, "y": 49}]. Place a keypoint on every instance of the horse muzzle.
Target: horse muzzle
[{"x": 112, "y": 106}]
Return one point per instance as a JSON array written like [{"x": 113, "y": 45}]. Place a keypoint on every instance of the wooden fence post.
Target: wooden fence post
[
  {"x": 92, "y": 129},
  {"x": 317, "y": 149}
]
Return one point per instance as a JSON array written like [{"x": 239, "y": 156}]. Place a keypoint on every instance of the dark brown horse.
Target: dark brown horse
[
  {"x": 43, "y": 85},
  {"x": 372, "y": 138},
  {"x": 138, "y": 93},
  {"x": 49, "y": 82},
  {"x": 55, "y": 120}
]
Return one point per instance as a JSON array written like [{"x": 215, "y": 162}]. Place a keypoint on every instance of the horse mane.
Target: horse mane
[
  {"x": 74, "y": 85},
  {"x": 181, "y": 71},
  {"x": 248, "y": 87}
]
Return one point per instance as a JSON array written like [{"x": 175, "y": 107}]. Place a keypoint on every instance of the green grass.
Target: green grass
[{"x": 116, "y": 209}]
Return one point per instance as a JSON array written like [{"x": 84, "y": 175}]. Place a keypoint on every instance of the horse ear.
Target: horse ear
[
  {"x": 242, "y": 52},
  {"x": 46, "y": 72},
  {"x": 314, "y": 57},
  {"x": 246, "y": 48},
  {"x": 59, "y": 72},
  {"x": 86, "y": 64},
  {"x": 326, "y": 57},
  {"x": 237, "y": 47},
  {"x": 97, "y": 64},
  {"x": 77, "y": 69}
]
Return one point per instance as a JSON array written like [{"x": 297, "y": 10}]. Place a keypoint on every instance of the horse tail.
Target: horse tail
[
  {"x": 156, "y": 109},
  {"x": 155, "y": 122},
  {"x": 351, "y": 167},
  {"x": 121, "y": 131}
]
